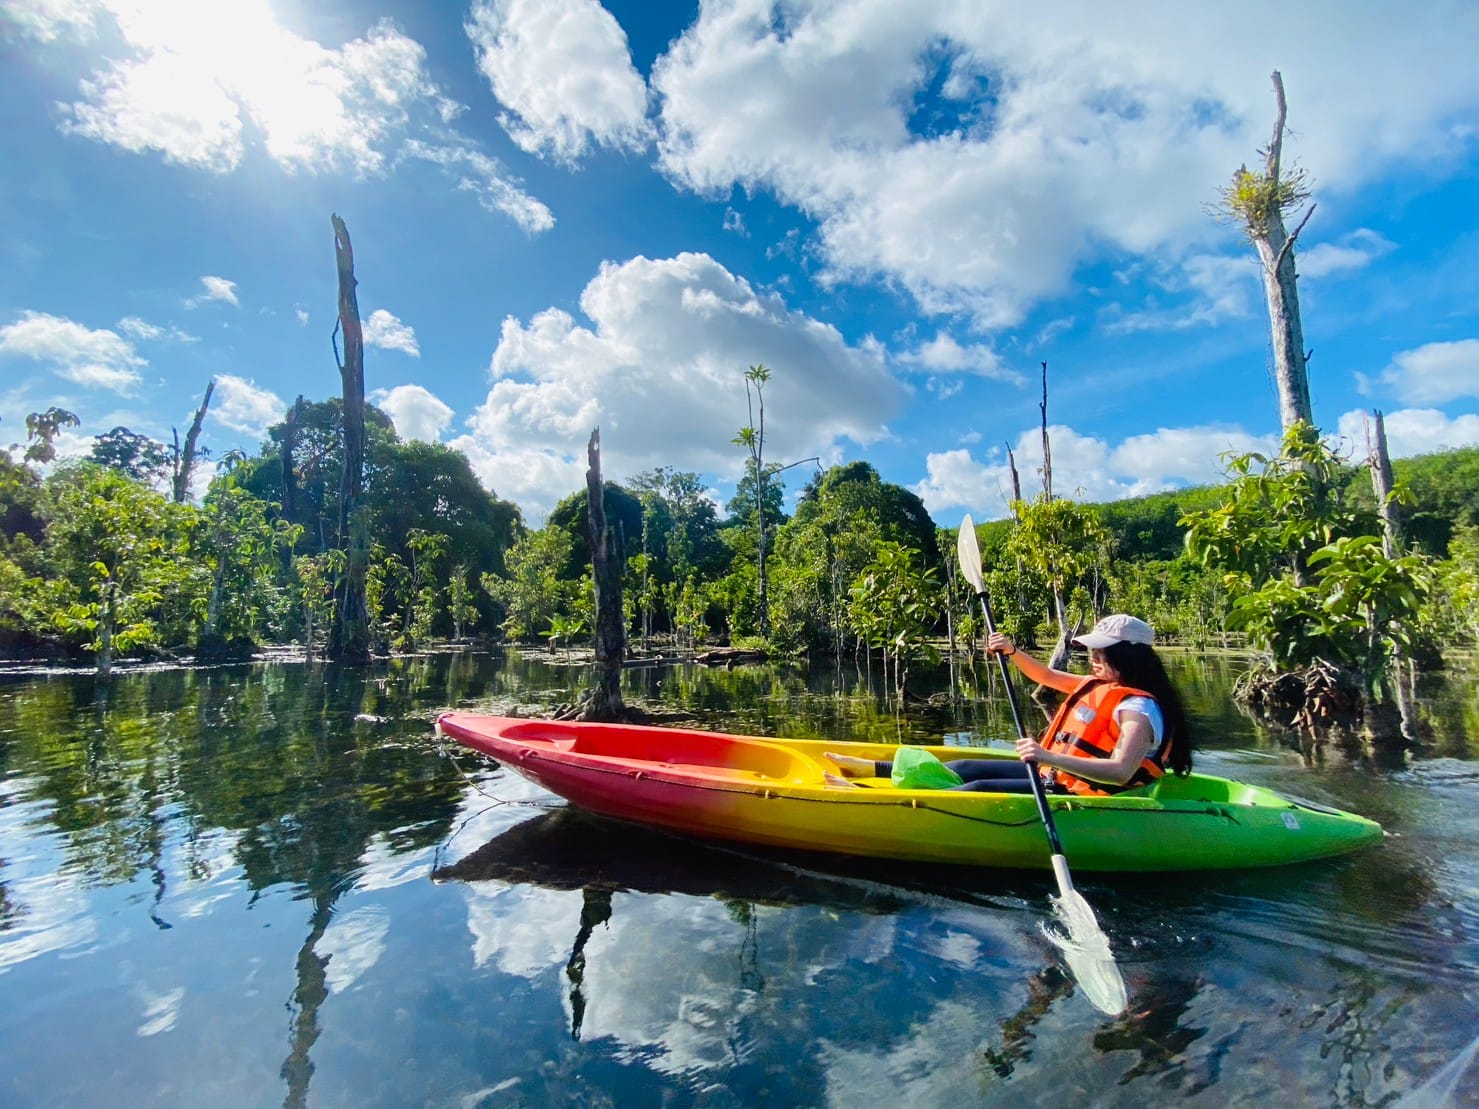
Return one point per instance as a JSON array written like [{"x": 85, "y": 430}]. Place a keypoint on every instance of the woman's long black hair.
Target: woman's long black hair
[{"x": 1140, "y": 666}]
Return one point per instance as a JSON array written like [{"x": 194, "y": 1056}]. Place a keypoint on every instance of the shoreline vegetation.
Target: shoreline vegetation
[{"x": 99, "y": 564}]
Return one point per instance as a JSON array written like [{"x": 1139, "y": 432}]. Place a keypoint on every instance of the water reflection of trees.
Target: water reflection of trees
[
  {"x": 570, "y": 850},
  {"x": 175, "y": 776},
  {"x": 270, "y": 755}
]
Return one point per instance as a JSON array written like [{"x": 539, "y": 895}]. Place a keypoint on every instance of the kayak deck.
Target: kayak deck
[{"x": 775, "y": 792}]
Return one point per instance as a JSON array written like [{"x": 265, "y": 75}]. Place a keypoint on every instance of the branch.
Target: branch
[
  {"x": 1289, "y": 242},
  {"x": 799, "y": 462},
  {"x": 1276, "y": 144}
]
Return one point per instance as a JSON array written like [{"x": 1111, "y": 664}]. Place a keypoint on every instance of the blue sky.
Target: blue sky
[{"x": 568, "y": 215}]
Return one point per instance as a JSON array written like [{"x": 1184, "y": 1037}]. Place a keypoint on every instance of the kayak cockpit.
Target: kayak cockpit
[{"x": 701, "y": 754}]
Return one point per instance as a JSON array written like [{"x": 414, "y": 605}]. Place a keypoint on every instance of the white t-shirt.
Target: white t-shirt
[{"x": 1148, "y": 708}]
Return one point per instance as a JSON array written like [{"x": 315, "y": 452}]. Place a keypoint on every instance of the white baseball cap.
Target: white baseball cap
[{"x": 1118, "y": 628}]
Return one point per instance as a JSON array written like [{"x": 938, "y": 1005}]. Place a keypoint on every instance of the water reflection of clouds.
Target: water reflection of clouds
[
  {"x": 161, "y": 1011},
  {"x": 665, "y": 980},
  {"x": 205, "y": 873},
  {"x": 381, "y": 867},
  {"x": 48, "y": 910},
  {"x": 868, "y": 940},
  {"x": 939, "y": 1064},
  {"x": 520, "y": 930},
  {"x": 352, "y": 944}
]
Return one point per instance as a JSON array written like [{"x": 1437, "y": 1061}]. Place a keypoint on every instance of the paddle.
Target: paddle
[{"x": 1086, "y": 947}]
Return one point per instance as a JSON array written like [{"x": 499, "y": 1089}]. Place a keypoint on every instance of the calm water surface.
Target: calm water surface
[{"x": 217, "y": 887}]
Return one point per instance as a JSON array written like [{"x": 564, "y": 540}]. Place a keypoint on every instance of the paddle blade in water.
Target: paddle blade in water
[{"x": 1086, "y": 951}]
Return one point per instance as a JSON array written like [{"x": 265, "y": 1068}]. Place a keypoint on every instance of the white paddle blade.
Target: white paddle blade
[
  {"x": 1085, "y": 949},
  {"x": 969, "y": 555}
]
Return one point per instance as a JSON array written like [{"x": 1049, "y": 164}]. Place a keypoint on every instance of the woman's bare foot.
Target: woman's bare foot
[
  {"x": 852, "y": 766},
  {"x": 835, "y": 780}
]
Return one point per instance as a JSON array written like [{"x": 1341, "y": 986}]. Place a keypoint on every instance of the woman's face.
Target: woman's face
[{"x": 1099, "y": 666}]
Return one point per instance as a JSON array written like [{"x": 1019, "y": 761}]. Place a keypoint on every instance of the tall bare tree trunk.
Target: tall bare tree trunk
[
  {"x": 1047, "y": 449},
  {"x": 1059, "y": 658},
  {"x": 289, "y": 463},
  {"x": 1264, "y": 201},
  {"x": 1398, "y": 689},
  {"x": 107, "y": 617},
  {"x": 350, "y": 639},
  {"x": 1381, "y": 484},
  {"x": 184, "y": 460},
  {"x": 605, "y": 702},
  {"x": 1029, "y": 640}
]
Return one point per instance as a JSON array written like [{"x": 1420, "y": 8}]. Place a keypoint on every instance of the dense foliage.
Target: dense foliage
[{"x": 95, "y": 558}]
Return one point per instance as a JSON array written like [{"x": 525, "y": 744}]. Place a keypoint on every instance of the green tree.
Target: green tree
[
  {"x": 752, "y": 438},
  {"x": 844, "y": 513},
  {"x": 624, "y": 513},
  {"x": 895, "y": 604},
  {"x": 460, "y": 598},
  {"x": 680, "y": 534},
  {"x": 1066, "y": 545},
  {"x": 42, "y": 428},
  {"x": 563, "y": 629},
  {"x": 240, "y": 546},
  {"x": 1453, "y": 611},
  {"x": 121, "y": 556},
  {"x": 314, "y": 593},
  {"x": 134, "y": 455},
  {"x": 419, "y": 606},
  {"x": 533, "y": 592},
  {"x": 1310, "y": 581}
]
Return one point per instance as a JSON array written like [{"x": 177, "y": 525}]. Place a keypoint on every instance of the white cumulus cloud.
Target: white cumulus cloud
[
  {"x": 1085, "y": 468},
  {"x": 1064, "y": 132},
  {"x": 659, "y": 367},
  {"x": 563, "y": 71},
  {"x": 95, "y": 358},
  {"x": 240, "y": 405},
  {"x": 1433, "y": 374},
  {"x": 1351, "y": 252},
  {"x": 47, "y": 20},
  {"x": 198, "y": 83},
  {"x": 384, "y": 330},
  {"x": 416, "y": 412},
  {"x": 1412, "y": 431},
  {"x": 216, "y": 288},
  {"x": 945, "y": 355}
]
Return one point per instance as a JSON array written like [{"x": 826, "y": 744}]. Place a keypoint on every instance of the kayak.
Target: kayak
[{"x": 775, "y": 792}]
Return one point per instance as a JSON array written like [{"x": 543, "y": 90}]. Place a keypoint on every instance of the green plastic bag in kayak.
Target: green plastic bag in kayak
[{"x": 916, "y": 768}]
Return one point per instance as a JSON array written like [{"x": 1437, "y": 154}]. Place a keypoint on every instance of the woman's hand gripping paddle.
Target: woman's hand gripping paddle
[{"x": 1085, "y": 948}]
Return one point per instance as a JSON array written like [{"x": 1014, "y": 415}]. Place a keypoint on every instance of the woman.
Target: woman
[{"x": 1120, "y": 727}]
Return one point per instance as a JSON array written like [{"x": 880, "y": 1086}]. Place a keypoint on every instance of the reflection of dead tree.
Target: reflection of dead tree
[
  {"x": 309, "y": 995},
  {"x": 1044, "y": 988},
  {"x": 595, "y": 910}
]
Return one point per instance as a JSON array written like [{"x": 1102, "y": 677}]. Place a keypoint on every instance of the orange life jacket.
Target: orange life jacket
[{"x": 1085, "y": 725}]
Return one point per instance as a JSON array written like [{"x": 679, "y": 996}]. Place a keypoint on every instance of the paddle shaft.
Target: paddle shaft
[
  {"x": 1097, "y": 973},
  {"x": 1038, "y": 790}
]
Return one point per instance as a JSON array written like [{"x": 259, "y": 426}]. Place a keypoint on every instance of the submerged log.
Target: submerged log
[{"x": 728, "y": 656}]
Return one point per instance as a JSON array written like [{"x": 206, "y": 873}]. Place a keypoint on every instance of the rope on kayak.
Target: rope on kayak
[{"x": 449, "y": 750}]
